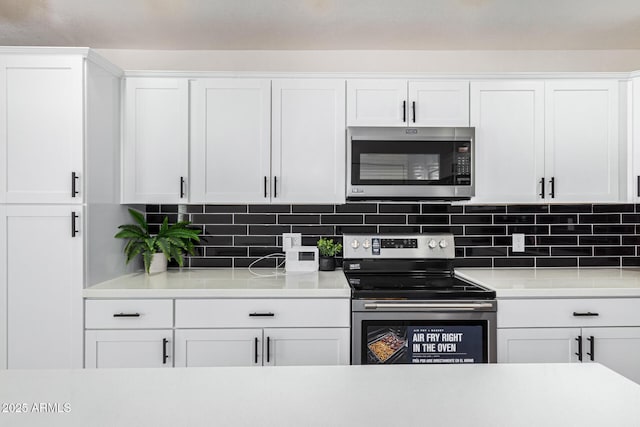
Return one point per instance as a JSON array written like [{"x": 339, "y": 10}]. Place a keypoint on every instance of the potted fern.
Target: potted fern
[
  {"x": 171, "y": 242},
  {"x": 328, "y": 250}
]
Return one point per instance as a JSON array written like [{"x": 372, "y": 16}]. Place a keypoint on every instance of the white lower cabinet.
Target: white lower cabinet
[
  {"x": 575, "y": 330},
  {"x": 41, "y": 291},
  {"x": 262, "y": 347},
  {"x": 136, "y": 333},
  {"x": 128, "y": 348}
]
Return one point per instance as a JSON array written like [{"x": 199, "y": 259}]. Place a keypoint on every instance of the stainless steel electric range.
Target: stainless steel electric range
[{"x": 408, "y": 305}]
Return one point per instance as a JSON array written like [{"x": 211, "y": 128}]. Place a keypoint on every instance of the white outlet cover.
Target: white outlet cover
[
  {"x": 518, "y": 242},
  {"x": 291, "y": 239}
]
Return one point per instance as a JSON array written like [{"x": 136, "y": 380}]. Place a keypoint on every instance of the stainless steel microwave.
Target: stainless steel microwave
[{"x": 416, "y": 163}]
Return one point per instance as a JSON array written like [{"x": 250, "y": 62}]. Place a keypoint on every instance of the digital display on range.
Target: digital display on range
[{"x": 428, "y": 344}]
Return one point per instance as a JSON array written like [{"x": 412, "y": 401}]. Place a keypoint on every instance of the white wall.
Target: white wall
[{"x": 376, "y": 61}]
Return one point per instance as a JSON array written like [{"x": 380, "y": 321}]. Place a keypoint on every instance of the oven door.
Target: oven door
[{"x": 425, "y": 332}]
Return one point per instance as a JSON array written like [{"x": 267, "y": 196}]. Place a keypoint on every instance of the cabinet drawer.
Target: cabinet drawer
[
  {"x": 568, "y": 312},
  {"x": 247, "y": 313},
  {"x": 128, "y": 314}
]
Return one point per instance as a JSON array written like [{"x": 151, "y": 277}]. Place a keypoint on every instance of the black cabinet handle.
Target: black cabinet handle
[
  {"x": 74, "y": 230},
  {"x": 579, "y": 353},
  {"x": 638, "y": 185},
  {"x": 255, "y": 350},
  {"x": 182, "y": 187},
  {"x": 126, "y": 315},
  {"x": 262, "y": 314},
  {"x": 584, "y": 314},
  {"x": 265, "y": 186},
  {"x": 165, "y": 355},
  {"x": 74, "y": 190},
  {"x": 275, "y": 186},
  {"x": 413, "y": 107},
  {"x": 542, "y": 188},
  {"x": 592, "y": 345},
  {"x": 269, "y": 350},
  {"x": 552, "y": 181},
  {"x": 404, "y": 111}
]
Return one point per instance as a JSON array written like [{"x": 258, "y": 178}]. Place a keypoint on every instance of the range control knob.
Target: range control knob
[
  {"x": 443, "y": 244},
  {"x": 366, "y": 244},
  {"x": 432, "y": 244},
  {"x": 355, "y": 244}
]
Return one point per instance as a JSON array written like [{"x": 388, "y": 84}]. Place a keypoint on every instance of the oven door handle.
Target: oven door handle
[{"x": 431, "y": 306}]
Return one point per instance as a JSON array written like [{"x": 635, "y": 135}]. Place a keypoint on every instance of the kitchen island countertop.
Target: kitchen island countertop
[
  {"x": 486, "y": 395},
  {"x": 224, "y": 283},
  {"x": 557, "y": 282}
]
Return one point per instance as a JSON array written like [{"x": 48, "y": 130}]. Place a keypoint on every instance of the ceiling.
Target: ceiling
[{"x": 323, "y": 24}]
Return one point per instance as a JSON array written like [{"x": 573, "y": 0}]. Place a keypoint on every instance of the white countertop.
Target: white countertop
[
  {"x": 224, "y": 283},
  {"x": 494, "y": 395},
  {"x": 557, "y": 282}
]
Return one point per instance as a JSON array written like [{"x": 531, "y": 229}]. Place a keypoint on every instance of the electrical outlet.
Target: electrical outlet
[
  {"x": 291, "y": 239},
  {"x": 518, "y": 242}
]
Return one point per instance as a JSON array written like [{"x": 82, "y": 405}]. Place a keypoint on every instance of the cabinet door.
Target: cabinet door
[
  {"x": 616, "y": 348},
  {"x": 218, "y": 347},
  {"x": 128, "y": 349},
  {"x": 41, "y": 128},
  {"x": 377, "y": 102},
  {"x": 306, "y": 346},
  {"x": 156, "y": 140},
  {"x": 438, "y": 103},
  {"x": 538, "y": 345},
  {"x": 43, "y": 288},
  {"x": 634, "y": 184},
  {"x": 230, "y": 150},
  {"x": 309, "y": 141},
  {"x": 581, "y": 147},
  {"x": 509, "y": 121}
]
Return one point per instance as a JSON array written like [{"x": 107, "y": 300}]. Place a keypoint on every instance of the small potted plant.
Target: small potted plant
[
  {"x": 171, "y": 242},
  {"x": 328, "y": 250}
]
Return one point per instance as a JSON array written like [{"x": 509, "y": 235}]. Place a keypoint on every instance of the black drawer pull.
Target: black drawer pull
[
  {"x": 126, "y": 315},
  {"x": 74, "y": 179},
  {"x": 584, "y": 314},
  {"x": 261, "y": 314}
]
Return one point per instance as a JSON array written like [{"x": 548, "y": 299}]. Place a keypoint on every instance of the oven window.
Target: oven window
[
  {"x": 424, "y": 342},
  {"x": 410, "y": 162}
]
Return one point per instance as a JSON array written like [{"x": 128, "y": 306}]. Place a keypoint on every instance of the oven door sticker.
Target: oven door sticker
[
  {"x": 445, "y": 344},
  {"x": 386, "y": 345}
]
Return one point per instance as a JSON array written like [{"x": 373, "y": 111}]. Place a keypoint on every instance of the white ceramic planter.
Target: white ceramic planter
[{"x": 158, "y": 263}]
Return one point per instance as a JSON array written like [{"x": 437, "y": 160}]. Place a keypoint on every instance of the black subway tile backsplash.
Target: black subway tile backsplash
[
  {"x": 563, "y": 235},
  {"x": 428, "y": 208},
  {"x": 225, "y": 208},
  {"x": 399, "y": 208}
]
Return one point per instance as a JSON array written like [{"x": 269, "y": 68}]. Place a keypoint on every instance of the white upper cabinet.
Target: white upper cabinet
[
  {"x": 439, "y": 103},
  {"x": 230, "y": 140},
  {"x": 372, "y": 102},
  {"x": 390, "y": 102},
  {"x": 581, "y": 140},
  {"x": 634, "y": 184},
  {"x": 509, "y": 121},
  {"x": 41, "y": 128},
  {"x": 308, "y": 141},
  {"x": 156, "y": 140}
]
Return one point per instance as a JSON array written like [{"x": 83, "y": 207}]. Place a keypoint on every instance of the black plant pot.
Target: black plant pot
[{"x": 327, "y": 263}]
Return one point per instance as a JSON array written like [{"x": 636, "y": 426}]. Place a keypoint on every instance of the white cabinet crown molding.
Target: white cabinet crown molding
[{"x": 407, "y": 76}]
